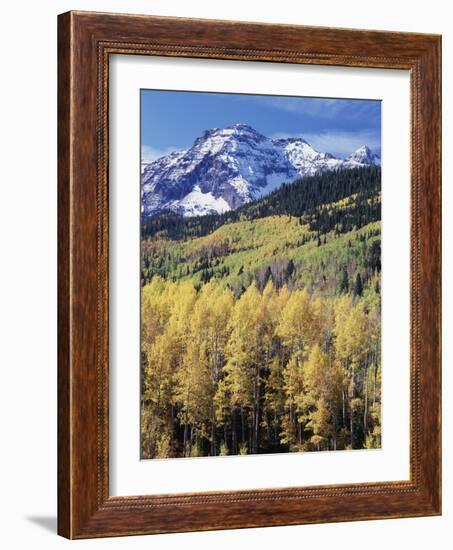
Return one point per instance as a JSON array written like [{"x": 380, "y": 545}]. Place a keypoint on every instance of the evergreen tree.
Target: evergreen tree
[
  {"x": 289, "y": 270},
  {"x": 358, "y": 286},
  {"x": 344, "y": 282}
]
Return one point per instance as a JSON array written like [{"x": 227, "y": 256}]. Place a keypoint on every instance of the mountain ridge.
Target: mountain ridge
[{"x": 228, "y": 167}]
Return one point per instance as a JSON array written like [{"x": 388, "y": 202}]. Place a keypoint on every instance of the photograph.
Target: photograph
[{"x": 260, "y": 274}]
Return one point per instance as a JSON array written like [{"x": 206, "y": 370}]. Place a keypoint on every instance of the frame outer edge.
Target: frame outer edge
[
  {"x": 64, "y": 527},
  {"x": 434, "y": 63},
  {"x": 434, "y": 176},
  {"x": 429, "y": 272},
  {"x": 438, "y": 299}
]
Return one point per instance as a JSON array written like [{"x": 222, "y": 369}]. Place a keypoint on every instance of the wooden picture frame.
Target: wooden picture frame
[{"x": 85, "y": 42}]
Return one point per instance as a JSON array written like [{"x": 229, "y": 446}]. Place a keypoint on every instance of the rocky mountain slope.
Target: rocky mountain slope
[{"x": 228, "y": 167}]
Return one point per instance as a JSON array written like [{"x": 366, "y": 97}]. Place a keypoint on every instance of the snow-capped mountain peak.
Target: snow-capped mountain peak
[
  {"x": 364, "y": 155},
  {"x": 228, "y": 167}
]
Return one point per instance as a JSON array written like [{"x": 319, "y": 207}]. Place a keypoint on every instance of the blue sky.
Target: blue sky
[{"x": 172, "y": 120}]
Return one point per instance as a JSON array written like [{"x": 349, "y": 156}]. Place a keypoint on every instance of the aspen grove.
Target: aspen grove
[{"x": 272, "y": 371}]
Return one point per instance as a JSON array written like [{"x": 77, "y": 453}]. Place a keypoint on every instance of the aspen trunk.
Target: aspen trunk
[
  {"x": 213, "y": 441},
  {"x": 351, "y": 424},
  {"x": 242, "y": 427},
  {"x": 375, "y": 380},
  {"x": 257, "y": 412},
  {"x": 344, "y": 406},
  {"x": 234, "y": 440},
  {"x": 225, "y": 435},
  {"x": 186, "y": 435},
  {"x": 365, "y": 413},
  {"x": 335, "y": 434}
]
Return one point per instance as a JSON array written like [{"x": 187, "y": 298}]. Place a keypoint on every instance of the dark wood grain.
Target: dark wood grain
[
  {"x": 64, "y": 369},
  {"x": 85, "y": 42}
]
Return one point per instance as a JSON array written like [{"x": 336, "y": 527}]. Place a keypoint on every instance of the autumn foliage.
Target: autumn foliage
[
  {"x": 271, "y": 371},
  {"x": 261, "y": 326}
]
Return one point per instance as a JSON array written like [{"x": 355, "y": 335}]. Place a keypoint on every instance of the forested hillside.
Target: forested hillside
[
  {"x": 301, "y": 198},
  {"x": 261, "y": 326}
]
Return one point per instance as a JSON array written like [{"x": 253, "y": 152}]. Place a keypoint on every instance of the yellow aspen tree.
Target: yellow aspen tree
[
  {"x": 296, "y": 327},
  {"x": 242, "y": 370},
  {"x": 351, "y": 331},
  {"x": 293, "y": 386}
]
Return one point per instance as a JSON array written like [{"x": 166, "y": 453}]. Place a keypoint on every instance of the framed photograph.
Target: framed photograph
[{"x": 249, "y": 275}]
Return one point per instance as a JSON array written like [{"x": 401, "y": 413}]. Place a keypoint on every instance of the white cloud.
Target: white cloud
[
  {"x": 313, "y": 107},
  {"x": 152, "y": 153},
  {"x": 339, "y": 143},
  {"x": 324, "y": 108}
]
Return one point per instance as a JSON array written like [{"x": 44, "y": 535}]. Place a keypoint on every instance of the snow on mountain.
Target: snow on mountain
[
  {"x": 305, "y": 159},
  {"x": 228, "y": 167},
  {"x": 364, "y": 155},
  {"x": 197, "y": 203}
]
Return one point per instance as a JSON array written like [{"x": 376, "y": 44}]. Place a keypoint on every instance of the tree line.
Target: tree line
[
  {"x": 304, "y": 198},
  {"x": 270, "y": 371}
]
